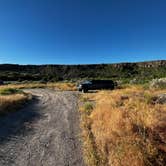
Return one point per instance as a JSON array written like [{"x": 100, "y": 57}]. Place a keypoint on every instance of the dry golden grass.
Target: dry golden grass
[
  {"x": 125, "y": 128},
  {"x": 22, "y": 86},
  {"x": 61, "y": 86},
  {"x": 10, "y": 103}
]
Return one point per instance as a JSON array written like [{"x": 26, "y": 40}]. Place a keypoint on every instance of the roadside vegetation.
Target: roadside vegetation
[
  {"x": 158, "y": 83},
  {"x": 56, "y": 85},
  {"x": 9, "y": 91},
  {"x": 62, "y": 86},
  {"x": 124, "y": 127},
  {"x": 11, "y": 100}
]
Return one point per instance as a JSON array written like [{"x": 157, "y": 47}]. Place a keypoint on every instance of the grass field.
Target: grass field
[{"x": 124, "y": 127}]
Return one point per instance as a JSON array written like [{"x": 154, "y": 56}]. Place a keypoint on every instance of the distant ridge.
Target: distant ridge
[
  {"x": 119, "y": 71},
  {"x": 145, "y": 63}
]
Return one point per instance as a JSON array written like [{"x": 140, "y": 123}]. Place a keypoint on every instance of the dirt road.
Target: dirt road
[{"x": 45, "y": 133}]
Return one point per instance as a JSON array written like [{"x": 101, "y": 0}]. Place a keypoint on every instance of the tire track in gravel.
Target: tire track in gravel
[{"x": 45, "y": 133}]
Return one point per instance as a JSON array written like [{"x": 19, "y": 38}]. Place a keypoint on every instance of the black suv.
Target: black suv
[{"x": 96, "y": 85}]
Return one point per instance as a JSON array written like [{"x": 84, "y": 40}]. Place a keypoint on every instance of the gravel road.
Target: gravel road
[{"x": 45, "y": 133}]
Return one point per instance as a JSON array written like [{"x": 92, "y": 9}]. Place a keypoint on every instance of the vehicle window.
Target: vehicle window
[{"x": 87, "y": 82}]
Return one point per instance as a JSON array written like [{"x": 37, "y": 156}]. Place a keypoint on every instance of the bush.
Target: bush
[
  {"x": 88, "y": 107},
  {"x": 158, "y": 83}
]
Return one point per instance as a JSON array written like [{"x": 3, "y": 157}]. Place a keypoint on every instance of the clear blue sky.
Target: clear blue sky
[{"x": 82, "y": 31}]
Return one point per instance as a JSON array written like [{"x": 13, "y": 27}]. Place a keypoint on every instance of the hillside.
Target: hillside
[{"x": 141, "y": 71}]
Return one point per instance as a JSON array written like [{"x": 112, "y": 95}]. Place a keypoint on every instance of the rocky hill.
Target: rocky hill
[{"x": 122, "y": 71}]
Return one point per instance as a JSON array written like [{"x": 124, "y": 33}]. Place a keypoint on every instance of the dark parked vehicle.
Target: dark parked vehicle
[{"x": 96, "y": 85}]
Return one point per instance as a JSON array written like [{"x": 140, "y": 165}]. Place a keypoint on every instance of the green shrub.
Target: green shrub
[
  {"x": 88, "y": 107},
  {"x": 158, "y": 83}
]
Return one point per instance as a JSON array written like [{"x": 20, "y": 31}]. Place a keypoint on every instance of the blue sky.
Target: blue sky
[{"x": 82, "y": 31}]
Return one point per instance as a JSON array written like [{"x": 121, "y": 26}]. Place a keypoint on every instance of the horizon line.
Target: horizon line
[{"x": 83, "y": 63}]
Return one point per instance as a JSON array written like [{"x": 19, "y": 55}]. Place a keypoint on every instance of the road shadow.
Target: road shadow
[{"x": 18, "y": 123}]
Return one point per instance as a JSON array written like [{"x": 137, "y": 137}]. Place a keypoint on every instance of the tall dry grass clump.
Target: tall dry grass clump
[
  {"x": 11, "y": 102},
  {"x": 11, "y": 99},
  {"x": 125, "y": 128}
]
